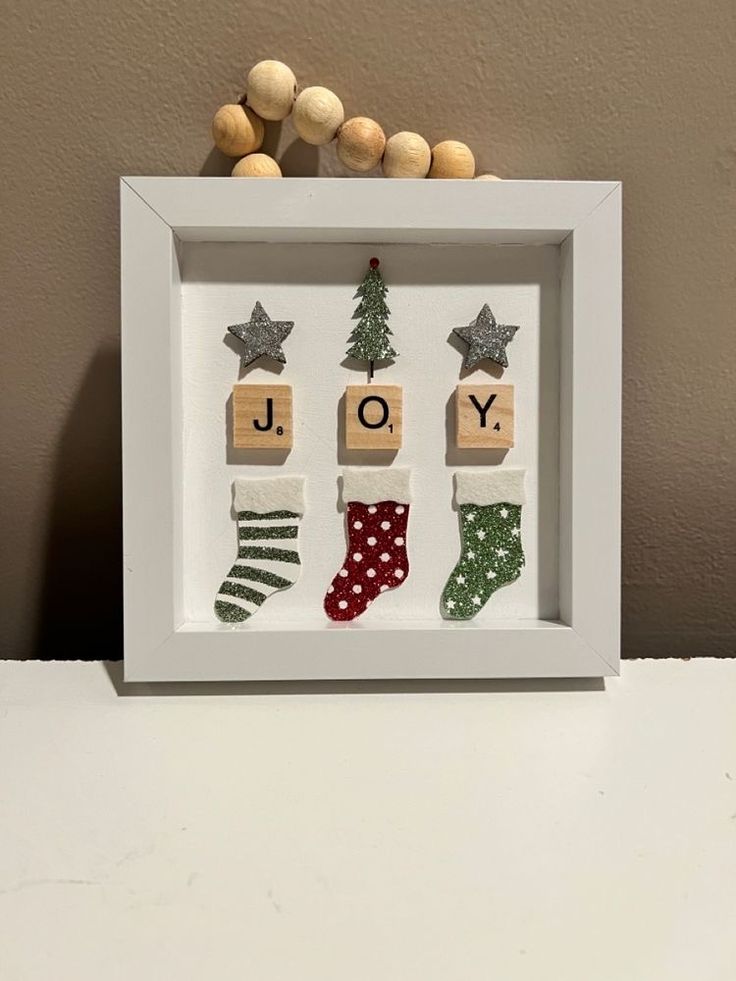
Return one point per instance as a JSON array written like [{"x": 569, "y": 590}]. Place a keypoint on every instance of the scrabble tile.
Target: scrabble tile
[
  {"x": 262, "y": 417},
  {"x": 484, "y": 416},
  {"x": 373, "y": 417}
]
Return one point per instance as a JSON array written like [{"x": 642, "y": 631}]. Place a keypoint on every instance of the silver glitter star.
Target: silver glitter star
[
  {"x": 262, "y": 336},
  {"x": 486, "y": 339}
]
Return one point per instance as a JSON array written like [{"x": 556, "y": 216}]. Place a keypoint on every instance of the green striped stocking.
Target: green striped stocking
[{"x": 269, "y": 511}]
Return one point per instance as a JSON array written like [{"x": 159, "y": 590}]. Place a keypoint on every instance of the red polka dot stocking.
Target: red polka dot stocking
[{"x": 376, "y": 558}]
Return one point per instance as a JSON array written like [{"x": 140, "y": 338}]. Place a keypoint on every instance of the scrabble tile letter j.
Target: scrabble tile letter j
[{"x": 262, "y": 417}]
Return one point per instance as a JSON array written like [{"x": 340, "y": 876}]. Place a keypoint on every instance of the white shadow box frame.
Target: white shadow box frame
[{"x": 582, "y": 219}]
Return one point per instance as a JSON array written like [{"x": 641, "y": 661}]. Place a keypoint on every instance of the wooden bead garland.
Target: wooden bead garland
[
  {"x": 360, "y": 143},
  {"x": 318, "y": 114},
  {"x": 452, "y": 159},
  {"x": 271, "y": 89},
  {"x": 237, "y": 130},
  {"x": 406, "y": 155},
  {"x": 257, "y": 165}
]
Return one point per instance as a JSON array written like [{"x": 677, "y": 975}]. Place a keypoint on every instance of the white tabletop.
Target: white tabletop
[{"x": 500, "y": 832}]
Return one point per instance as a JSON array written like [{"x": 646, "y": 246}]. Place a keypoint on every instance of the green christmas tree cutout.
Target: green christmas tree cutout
[{"x": 370, "y": 336}]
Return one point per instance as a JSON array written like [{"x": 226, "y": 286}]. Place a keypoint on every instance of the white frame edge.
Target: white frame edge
[{"x": 584, "y": 218}]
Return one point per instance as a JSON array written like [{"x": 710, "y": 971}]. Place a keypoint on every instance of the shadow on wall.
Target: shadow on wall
[
  {"x": 296, "y": 159},
  {"x": 80, "y": 612}
]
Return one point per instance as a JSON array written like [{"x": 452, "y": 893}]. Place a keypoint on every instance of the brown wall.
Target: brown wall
[{"x": 640, "y": 91}]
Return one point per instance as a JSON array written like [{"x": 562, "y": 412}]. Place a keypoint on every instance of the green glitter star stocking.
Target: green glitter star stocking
[
  {"x": 490, "y": 528},
  {"x": 269, "y": 511}
]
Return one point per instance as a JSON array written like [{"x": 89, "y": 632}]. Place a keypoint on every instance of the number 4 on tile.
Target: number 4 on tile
[{"x": 484, "y": 416}]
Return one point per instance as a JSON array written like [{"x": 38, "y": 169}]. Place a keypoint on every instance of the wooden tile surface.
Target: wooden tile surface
[
  {"x": 262, "y": 417},
  {"x": 484, "y": 416},
  {"x": 373, "y": 417}
]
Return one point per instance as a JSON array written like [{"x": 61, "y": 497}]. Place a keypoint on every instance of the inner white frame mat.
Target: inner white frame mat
[
  {"x": 159, "y": 215},
  {"x": 431, "y": 289}
]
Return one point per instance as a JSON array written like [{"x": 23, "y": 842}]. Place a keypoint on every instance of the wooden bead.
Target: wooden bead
[
  {"x": 451, "y": 159},
  {"x": 318, "y": 114},
  {"x": 360, "y": 143},
  {"x": 406, "y": 155},
  {"x": 237, "y": 130},
  {"x": 488, "y": 177},
  {"x": 271, "y": 89},
  {"x": 257, "y": 165}
]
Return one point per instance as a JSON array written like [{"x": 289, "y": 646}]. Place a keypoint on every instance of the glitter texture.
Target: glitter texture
[
  {"x": 486, "y": 339},
  {"x": 376, "y": 559},
  {"x": 262, "y": 336},
  {"x": 491, "y": 556},
  {"x": 370, "y": 335},
  {"x": 260, "y": 569}
]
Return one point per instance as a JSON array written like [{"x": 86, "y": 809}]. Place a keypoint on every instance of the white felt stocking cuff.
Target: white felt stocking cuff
[
  {"x": 368, "y": 485},
  {"x": 481, "y": 487},
  {"x": 269, "y": 494}
]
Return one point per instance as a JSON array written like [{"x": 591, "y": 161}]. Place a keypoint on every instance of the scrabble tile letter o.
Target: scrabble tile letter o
[
  {"x": 373, "y": 417},
  {"x": 262, "y": 417}
]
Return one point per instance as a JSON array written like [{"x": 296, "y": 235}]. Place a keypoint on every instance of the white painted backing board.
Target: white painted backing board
[{"x": 432, "y": 288}]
